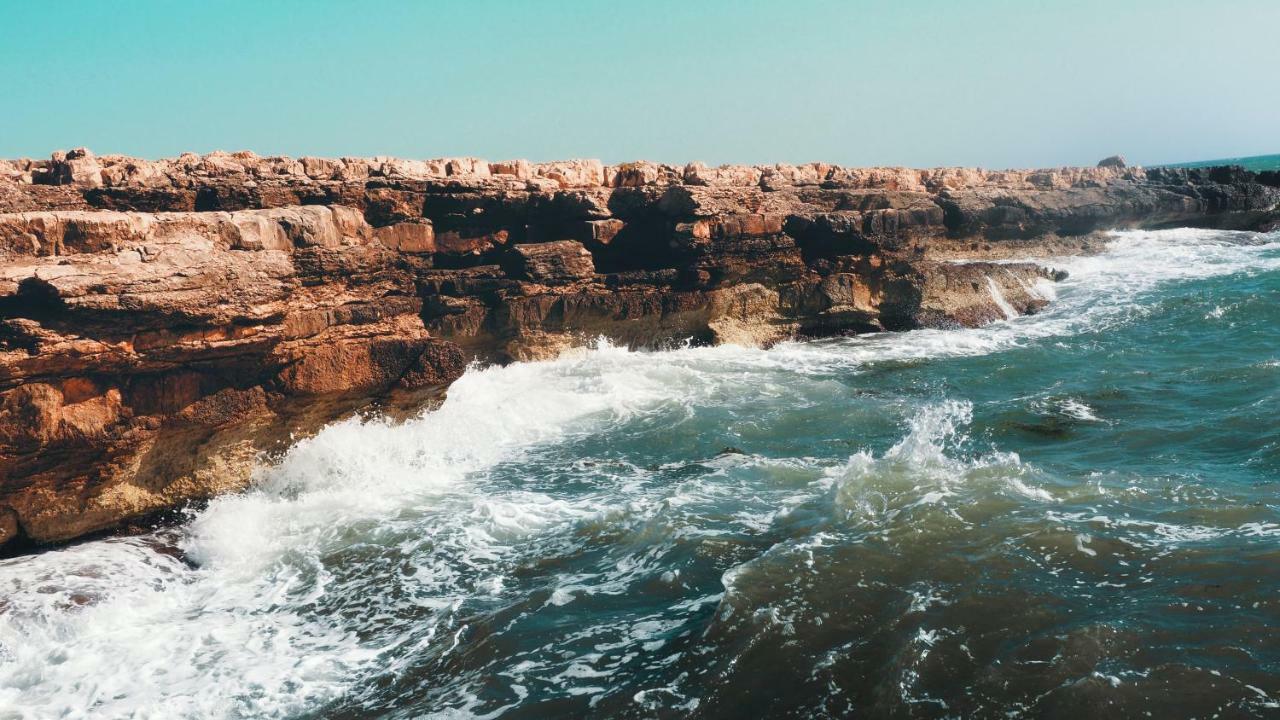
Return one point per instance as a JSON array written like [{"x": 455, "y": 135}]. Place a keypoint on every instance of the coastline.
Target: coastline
[{"x": 163, "y": 324}]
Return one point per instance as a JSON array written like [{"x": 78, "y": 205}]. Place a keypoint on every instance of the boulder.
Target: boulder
[
  {"x": 553, "y": 262},
  {"x": 410, "y": 236},
  {"x": 520, "y": 169},
  {"x": 75, "y": 167},
  {"x": 572, "y": 173}
]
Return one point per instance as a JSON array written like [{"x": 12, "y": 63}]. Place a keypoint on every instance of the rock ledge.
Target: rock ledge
[{"x": 165, "y": 323}]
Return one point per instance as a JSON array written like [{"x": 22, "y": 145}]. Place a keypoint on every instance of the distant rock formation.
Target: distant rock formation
[
  {"x": 163, "y": 323},
  {"x": 1115, "y": 161}
]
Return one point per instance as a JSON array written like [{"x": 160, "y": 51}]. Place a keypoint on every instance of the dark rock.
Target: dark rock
[{"x": 554, "y": 262}]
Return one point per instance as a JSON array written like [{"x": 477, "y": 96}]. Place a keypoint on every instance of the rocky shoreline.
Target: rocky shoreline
[{"x": 164, "y": 323}]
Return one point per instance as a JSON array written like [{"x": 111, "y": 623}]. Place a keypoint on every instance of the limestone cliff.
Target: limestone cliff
[{"x": 163, "y": 323}]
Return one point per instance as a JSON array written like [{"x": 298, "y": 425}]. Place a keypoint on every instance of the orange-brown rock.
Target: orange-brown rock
[
  {"x": 552, "y": 262},
  {"x": 165, "y": 323},
  {"x": 146, "y": 358}
]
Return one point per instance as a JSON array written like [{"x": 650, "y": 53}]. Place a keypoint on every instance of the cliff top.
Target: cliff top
[{"x": 81, "y": 167}]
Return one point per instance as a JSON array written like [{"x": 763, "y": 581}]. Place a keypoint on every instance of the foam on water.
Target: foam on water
[
  {"x": 372, "y": 542},
  {"x": 1100, "y": 291},
  {"x": 998, "y": 298},
  {"x": 119, "y": 628},
  {"x": 1077, "y": 410}
]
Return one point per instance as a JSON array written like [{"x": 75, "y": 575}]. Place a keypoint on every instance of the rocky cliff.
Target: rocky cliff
[{"x": 163, "y": 323}]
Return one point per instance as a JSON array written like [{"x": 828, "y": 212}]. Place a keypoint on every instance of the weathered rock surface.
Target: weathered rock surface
[{"x": 162, "y": 323}]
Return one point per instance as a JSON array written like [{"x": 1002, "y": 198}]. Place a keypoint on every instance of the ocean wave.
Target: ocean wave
[{"x": 374, "y": 547}]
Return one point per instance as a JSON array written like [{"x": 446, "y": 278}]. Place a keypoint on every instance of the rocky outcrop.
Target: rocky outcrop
[
  {"x": 164, "y": 323},
  {"x": 146, "y": 358}
]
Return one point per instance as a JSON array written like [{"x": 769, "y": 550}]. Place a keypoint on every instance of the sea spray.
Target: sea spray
[
  {"x": 872, "y": 525},
  {"x": 997, "y": 297}
]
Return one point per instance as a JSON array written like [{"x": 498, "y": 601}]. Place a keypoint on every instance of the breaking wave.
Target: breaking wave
[{"x": 930, "y": 522}]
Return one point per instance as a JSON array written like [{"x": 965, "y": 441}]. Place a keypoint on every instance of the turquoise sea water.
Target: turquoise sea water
[
  {"x": 1253, "y": 162},
  {"x": 1072, "y": 514}
]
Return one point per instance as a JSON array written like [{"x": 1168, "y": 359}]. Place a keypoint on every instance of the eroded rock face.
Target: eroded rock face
[
  {"x": 145, "y": 359},
  {"x": 163, "y": 323}
]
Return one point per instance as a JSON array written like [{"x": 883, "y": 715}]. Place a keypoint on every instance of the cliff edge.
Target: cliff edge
[{"x": 164, "y": 323}]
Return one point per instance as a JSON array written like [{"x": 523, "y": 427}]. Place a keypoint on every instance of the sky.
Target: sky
[{"x": 988, "y": 83}]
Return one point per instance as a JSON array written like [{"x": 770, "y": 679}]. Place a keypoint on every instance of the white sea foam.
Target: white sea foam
[
  {"x": 127, "y": 631},
  {"x": 1082, "y": 542},
  {"x": 927, "y": 467},
  {"x": 1098, "y": 292},
  {"x": 998, "y": 298},
  {"x": 118, "y": 628},
  {"x": 1078, "y": 410},
  {"x": 1152, "y": 533}
]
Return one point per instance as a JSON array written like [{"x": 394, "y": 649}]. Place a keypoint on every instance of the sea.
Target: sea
[
  {"x": 1071, "y": 514},
  {"x": 1255, "y": 163}
]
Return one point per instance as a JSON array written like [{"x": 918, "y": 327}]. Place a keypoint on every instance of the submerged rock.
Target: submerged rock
[{"x": 163, "y": 323}]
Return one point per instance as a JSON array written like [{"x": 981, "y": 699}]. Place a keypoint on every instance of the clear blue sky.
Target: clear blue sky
[{"x": 912, "y": 82}]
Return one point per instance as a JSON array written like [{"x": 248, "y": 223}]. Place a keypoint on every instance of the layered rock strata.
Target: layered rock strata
[{"x": 163, "y": 324}]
